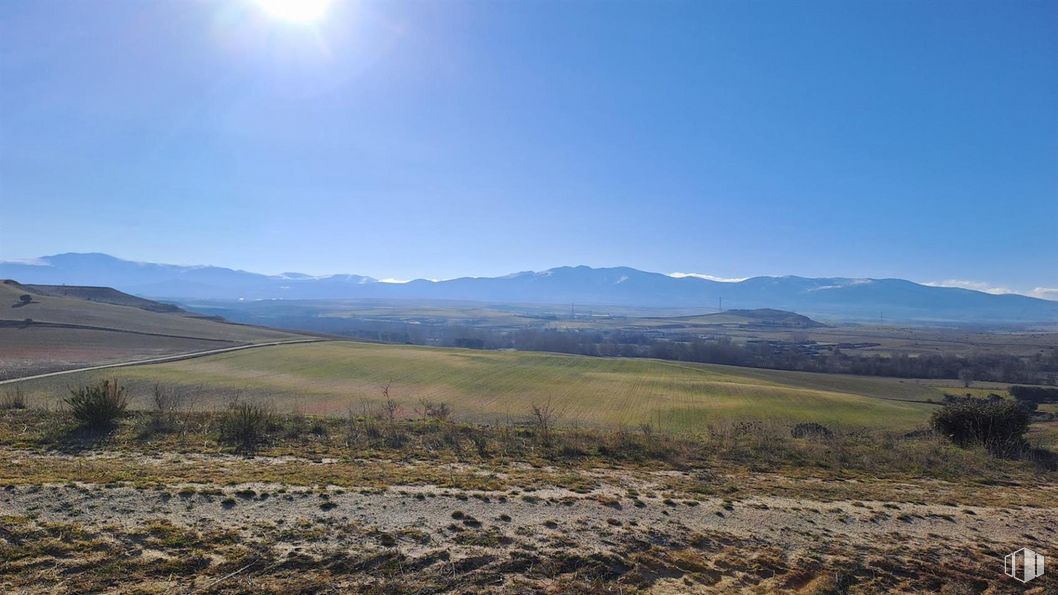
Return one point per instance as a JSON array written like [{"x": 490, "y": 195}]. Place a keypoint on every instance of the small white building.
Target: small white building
[{"x": 1024, "y": 565}]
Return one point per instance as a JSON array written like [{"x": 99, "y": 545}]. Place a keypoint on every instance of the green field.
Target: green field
[{"x": 336, "y": 377}]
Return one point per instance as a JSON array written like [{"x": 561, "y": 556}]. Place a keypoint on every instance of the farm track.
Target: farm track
[{"x": 163, "y": 359}]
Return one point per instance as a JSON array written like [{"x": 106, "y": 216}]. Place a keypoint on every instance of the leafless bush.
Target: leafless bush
[
  {"x": 167, "y": 403},
  {"x": 544, "y": 417},
  {"x": 377, "y": 425},
  {"x": 169, "y": 400},
  {"x": 390, "y": 411},
  {"x": 434, "y": 410},
  {"x": 354, "y": 427}
]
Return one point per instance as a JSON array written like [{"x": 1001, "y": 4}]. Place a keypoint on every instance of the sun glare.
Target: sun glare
[{"x": 295, "y": 11}]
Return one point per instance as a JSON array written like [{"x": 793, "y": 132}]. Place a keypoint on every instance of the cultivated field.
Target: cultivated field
[
  {"x": 336, "y": 377},
  {"x": 56, "y": 332}
]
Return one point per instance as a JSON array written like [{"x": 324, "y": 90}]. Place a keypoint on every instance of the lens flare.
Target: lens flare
[{"x": 295, "y": 11}]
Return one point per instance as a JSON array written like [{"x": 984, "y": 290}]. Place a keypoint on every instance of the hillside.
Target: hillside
[
  {"x": 761, "y": 317},
  {"x": 59, "y": 328},
  {"x": 336, "y": 377},
  {"x": 104, "y": 295},
  {"x": 850, "y": 299}
]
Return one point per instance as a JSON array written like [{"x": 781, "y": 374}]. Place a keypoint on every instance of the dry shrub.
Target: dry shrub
[
  {"x": 811, "y": 430},
  {"x": 544, "y": 417},
  {"x": 434, "y": 410},
  {"x": 752, "y": 437},
  {"x": 167, "y": 403},
  {"x": 246, "y": 426},
  {"x": 13, "y": 398},
  {"x": 298, "y": 426},
  {"x": 378, "y": 426}
]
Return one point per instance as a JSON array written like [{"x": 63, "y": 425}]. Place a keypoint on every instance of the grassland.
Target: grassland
[{"x": 335, "y": 377}]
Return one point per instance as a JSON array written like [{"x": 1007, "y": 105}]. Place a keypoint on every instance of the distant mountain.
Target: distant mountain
[
  {"x": 173, "y": 281},
  {"x": 826, "y": 298}
]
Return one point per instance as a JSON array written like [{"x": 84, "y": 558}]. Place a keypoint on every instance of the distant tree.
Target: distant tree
[
  {"x": 966, "y": 376},
  {"x": 1036, "y": 394},
  {"x": 25, "y": 298}
]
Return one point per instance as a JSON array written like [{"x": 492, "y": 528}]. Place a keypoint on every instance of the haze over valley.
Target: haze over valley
[{"x": 837, "y": 299}]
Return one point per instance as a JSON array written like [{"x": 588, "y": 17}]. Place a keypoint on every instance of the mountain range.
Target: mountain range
[{"x": 826, "y": 298}]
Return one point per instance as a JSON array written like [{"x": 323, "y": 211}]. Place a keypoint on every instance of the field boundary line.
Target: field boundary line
[{"x": 677, "y": 364}]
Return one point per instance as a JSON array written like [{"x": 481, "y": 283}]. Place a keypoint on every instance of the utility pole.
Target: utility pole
[{"x": 721, "y": 307}]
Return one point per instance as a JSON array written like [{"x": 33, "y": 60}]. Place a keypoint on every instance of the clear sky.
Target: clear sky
[{"x": 435, "y": 139}]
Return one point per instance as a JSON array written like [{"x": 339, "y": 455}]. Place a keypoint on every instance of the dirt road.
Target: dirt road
[{"x": 163, "y": 359}]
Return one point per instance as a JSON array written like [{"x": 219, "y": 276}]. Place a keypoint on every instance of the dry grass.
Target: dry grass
[
  {"x": 753, "y": 445},
  {"x": 376, "y": 503},
  {"x": 13, "y": 398}
]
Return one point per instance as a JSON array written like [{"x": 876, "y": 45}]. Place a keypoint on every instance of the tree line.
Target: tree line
[{"x": 1041, "y": 368}]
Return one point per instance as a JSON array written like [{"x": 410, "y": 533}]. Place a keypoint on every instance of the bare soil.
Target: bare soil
[{"x": 633, "y": 530}]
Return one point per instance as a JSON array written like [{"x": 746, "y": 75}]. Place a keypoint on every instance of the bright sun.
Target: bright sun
[{"x": 295, "y": 11}]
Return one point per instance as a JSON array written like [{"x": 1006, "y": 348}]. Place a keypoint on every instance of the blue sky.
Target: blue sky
[{"x": 436, "y": 139}]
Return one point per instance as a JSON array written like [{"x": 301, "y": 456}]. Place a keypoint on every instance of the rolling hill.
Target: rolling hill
[
  {"x": 822, "y": 298},
  {"x": 105, "y": 295},
  {"x": 336, "y": 378}
]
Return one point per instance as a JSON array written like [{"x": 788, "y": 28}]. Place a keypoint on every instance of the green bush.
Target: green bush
[
  {"x": 999, "y": 426},
  {"x": 98, "y": 406},
  {"x": 1034, "y": 395},
  {"x": 246, "y": 425}
]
